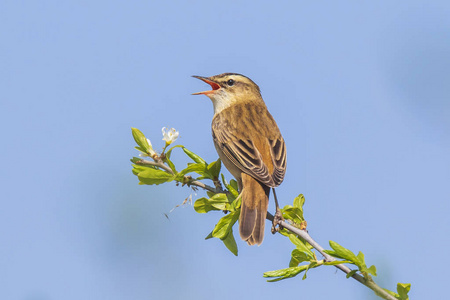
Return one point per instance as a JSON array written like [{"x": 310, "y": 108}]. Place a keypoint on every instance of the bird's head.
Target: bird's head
[{"x": 229, "y": 89}]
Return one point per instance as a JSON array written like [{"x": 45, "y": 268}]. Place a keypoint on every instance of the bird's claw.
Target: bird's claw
[{"x": 277, "y": 218}]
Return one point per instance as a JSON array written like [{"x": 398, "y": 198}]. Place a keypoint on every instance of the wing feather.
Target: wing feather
[
  {"x": 244, "y": 141},
  {"x": 278, "y": 148}
]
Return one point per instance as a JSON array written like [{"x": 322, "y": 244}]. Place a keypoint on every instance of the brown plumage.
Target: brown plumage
[{"x": 250, "y": 146}]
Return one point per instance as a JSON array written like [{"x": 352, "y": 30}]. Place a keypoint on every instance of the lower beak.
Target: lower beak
[{"x": 213, "y": 85}]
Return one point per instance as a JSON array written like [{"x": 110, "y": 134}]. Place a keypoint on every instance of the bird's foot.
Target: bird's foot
[{"x": 277, "y": 218}]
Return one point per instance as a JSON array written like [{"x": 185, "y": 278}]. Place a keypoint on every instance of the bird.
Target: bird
[{"x": 250, "y": 145}]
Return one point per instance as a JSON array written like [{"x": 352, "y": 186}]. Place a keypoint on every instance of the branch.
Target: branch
[
  {"x": 205, "y": 186},
  {"x": 304, "y": 234},
  {"x": 160, "y": 164},
  {"x": 157, "y": 163}
]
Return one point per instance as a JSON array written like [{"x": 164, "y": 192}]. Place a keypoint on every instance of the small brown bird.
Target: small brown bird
[{"x": 250, "y": 146}]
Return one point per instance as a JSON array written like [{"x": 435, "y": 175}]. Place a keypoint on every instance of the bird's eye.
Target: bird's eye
[{"x": 230, "y": 82}]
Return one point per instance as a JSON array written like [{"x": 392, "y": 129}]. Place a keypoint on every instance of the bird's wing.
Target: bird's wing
[
  {"x": 244, "y": 155},
  {"x": 252, "y": 146},
  {"x": 278, "y": 151}
]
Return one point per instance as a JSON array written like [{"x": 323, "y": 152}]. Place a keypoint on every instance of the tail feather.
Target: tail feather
[{"x": 255, "y": 199}]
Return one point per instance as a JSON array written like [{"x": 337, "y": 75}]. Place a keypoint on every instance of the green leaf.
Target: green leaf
[
  {"x": 403, "y": 290},
  {"x": 194, "y": 156},
  {"x": 231, "y": 198},
  {"x": 140, "y": 139},
  {"x": 351, "y": 273},
  {"x": 312, "y": 265},
  {"x": 330, "y": 252},
  {"x": 170, "y": 163},
  {"x": 179, "y": 177},
  {"x": 299, "y": 201},
  {"x": 139, "y": 149},
  {"x": 224, "y": 181},
  {"x": 231, "y": 187},
  {"x": 219, "y": 201},
  {"x": 221, "y": 197},
  {"x": 230, "y": 243},
  {"x": 216, "y": 202},
  {"x": 293, "y": 213},
  {"x": 141, "y": 168},
  {"x": 290, "y": 272},
  {"x": 341, "y": 252},
  {"x": 300, "y": 245},
  {"x": 234, "y": 184},
  {"x": 372, "y": 270},
  {"x": 390, "y": 293},
  {"x": 197, "y": 168},
  {"x": 235, "y": 205},
  {"x": 203, "y": 205},
  {"x": 135, "y": 159},
  {"x": 214, "y": 169},
  {"x": 285, "y": 232},
  {"x": 209, "y": 236},
  {"x": 232, "y": 190},
  {"x": 336, "y": 262},
  {"x": 360, "y": 258},
  {"x": 285, "y": 273},
  {"x": 297, "y": 257},
  {"x": 152, "y": 176},
  {"x": 225, "y": 225}
]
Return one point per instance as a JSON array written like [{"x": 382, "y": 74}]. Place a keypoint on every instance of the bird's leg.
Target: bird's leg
[{"x": 278, "y": 215}]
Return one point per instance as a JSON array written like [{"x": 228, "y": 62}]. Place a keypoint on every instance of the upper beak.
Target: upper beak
[{"x": 213, "y": 85}]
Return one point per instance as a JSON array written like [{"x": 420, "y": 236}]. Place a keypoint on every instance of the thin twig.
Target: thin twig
[
  {"x": 206, "y": 187},
  {"x": 304, "y": 234},
  {"x": 159, "y": 163}
]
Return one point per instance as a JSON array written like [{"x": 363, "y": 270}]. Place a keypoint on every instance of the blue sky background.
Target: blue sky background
[{"x": 360, "y": 91}]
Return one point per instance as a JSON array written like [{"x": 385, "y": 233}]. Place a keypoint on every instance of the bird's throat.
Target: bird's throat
[{"x": 224, "y": 101}]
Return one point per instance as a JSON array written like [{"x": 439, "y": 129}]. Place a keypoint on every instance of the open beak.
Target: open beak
[{"x": 213, "y": 85}]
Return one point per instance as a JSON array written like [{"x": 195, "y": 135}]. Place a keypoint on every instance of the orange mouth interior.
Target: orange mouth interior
[{"x": 213, "y": 85}]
